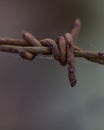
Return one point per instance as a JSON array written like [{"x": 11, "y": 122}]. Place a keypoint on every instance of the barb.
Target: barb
[
  {"x": 70, "y": 59},
  {"x": 63, "y": 49}
]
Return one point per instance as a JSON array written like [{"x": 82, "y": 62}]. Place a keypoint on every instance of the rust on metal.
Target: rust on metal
[{"x": 63, "y": 49}]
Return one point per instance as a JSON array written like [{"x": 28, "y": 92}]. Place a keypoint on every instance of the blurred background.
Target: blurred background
[{"x": 37, "y": 94}]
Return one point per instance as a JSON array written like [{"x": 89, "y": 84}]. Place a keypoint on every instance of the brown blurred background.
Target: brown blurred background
[{"x": 37, "y": 94}]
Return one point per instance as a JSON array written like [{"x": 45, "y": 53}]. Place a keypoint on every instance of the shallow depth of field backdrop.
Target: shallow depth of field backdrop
[{"x": 37, "y": 94}]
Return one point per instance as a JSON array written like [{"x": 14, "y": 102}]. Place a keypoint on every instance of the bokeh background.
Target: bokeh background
[{"x": 37, "y": 94}]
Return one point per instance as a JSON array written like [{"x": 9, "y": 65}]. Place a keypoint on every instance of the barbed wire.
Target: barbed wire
[{"x": 63, "y": 49}]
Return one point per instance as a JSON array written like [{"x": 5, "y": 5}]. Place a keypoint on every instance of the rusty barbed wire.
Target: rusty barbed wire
[{"x": 63, "y": 49}]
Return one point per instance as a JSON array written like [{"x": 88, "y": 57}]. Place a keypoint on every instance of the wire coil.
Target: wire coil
[{"x": 62, "y": 50}]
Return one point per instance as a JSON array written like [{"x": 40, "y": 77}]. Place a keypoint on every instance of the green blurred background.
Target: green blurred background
[{"x": 37, "y": 94}]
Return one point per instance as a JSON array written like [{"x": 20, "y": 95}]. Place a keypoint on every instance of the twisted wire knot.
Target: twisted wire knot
[{"x": 62, "y": 50}]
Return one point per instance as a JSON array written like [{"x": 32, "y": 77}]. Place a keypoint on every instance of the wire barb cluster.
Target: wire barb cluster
[{"x": 63, "y": 49}]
